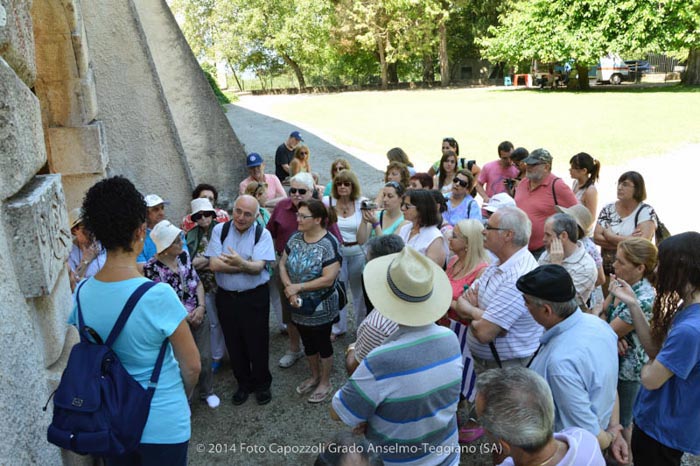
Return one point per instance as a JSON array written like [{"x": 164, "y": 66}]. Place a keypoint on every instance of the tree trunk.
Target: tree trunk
[
  {"x": 582, "y": 71},
  {"x": 428, "y": 68},
  {"x": 235, "y": 77},
  {"x": 691, "y": 76},
  {"x": 297, "y": 70},
  {"x": 444, "y": 64},
  {"x": 382, "y": 62}
]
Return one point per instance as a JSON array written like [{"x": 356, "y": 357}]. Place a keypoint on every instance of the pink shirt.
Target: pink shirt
[
  {"x": 538, "y": 204},
  {"x": 492, "y": 176},
  {"x": 274, "y": 186}
]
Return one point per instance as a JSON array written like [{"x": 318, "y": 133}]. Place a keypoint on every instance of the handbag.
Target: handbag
[
  {"x": 309, "y": 305},
  {"x": 99, "y": 408}
]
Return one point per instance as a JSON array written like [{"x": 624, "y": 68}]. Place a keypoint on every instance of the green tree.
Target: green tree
[{"x": 584, "y": 30}]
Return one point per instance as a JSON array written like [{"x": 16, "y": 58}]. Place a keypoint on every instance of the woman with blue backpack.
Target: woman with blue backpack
[{"x": 115, "y": 212}]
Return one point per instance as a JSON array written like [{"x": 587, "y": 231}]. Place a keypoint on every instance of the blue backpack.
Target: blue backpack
[{"x": 99, "y": 408}]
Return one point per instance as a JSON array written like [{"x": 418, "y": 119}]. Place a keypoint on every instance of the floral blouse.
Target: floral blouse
[
  {"x": 184, "y": 281},
  {"x": 635, "y": 357}
]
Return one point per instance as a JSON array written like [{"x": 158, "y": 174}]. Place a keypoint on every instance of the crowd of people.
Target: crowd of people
[{"x": 484, "y": 300}]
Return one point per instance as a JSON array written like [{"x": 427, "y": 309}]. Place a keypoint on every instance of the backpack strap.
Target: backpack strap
[
  {"x": 554, "y": 193},
  {"x": 126, "y": 312},
  {"x": 469, "y": 208},
  {"x": 224, "y": 232},
  {"x": 81, "y": 321},
  {"x": 258, "y": 233}
]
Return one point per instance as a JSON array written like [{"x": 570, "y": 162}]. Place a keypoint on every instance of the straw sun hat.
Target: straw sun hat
[
  {"x": 408, "y": 288},
  {"x": 581, "y": 214}
]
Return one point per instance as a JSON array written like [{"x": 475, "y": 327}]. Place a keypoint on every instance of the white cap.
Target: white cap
[
  {"x": 163, "y": 235},
  {"x": 499, "y": 200},
  {"x": 201, "y": 204},
  {"x": 153, "y": 200}
]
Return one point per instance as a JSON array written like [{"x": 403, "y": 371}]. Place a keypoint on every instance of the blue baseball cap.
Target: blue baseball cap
[
  {"x": 296, "y": 135},
  {"x": 253, "y": 160}
]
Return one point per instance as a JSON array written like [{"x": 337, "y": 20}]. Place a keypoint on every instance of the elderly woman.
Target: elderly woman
[
  {"x": 197, "y": 241},
  {"x": 86, "y": 256},
  {"x": 625, "y": 218},
  {"x": 205, "y": 191},
  {"x": 461, "y": 205},
  {"x": 115, "y": 213},
  {"x": 666, "y": 421},
  {"x": 172, "y": 265},
  {"x": 422, "y": 233},
  {"x": 300, "y": 160},
  {"x": 309, "y": 271},
  {"x": 584, "y": 170},
  {"x": 282, "y": 224},
  {"x": 390, "y": 218},
  {"x": 635, "y": 263},
  {"x": 346, "y": 201}
]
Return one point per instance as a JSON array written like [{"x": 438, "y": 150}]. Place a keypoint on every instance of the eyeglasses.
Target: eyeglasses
[
  {"x": 347, "y": 184},
  {"x": 625, "y": 184},
  {"x": 199, "y": 215},
  {"x": 406, "y": 206},
  {"x": 489, "y": 227},
  {"x": 462, "y": 183},
  {"x": 301, "y": 191},
  {"x": 303, "y": 217},
  {"x": 303, "y": 153}
]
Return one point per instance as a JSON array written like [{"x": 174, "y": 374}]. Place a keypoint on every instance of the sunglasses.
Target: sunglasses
[
  {"x": 489, "y": 227},
  {"x": 301, "y": 191},
  {"x": 462, "y": 183},
  {"x": 406, "y": 206},
  {"x": 199, "y": 215},
  {"x": 347, "y": 184},
  {"x": 303, "y": 153}
]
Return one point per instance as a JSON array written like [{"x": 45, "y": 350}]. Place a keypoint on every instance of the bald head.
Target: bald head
[{"x": 245, "y": 211}]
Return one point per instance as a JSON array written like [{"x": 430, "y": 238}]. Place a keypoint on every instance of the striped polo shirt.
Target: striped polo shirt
[
  {"x": 407, "y": 391},
  {"x": 504, "y": 306}
]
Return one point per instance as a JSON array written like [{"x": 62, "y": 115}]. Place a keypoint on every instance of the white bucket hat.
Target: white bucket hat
[
  {"x": 499, "y": 200},
  {"x": 408, "y": 288},
  {"x": 163, "y": 235},
  {"x": 153, "y": 200},
  {"x": 201, "y": 204}
]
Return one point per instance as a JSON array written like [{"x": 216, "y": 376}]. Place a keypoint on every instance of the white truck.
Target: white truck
[{"x": 612, "y": 69}]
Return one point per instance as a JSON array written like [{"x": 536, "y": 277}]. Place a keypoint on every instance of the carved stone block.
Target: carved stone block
[
  {"x": 17, "y": 38},
  {"x": 21, "y": 134},
  {"x": 78, "y": 150},
  {"x": 37, "y": 222}
]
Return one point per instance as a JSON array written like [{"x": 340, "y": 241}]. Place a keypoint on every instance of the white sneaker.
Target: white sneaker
[
  {"x": 213, "y": 401},
  {"x": 290, "y": 358}
]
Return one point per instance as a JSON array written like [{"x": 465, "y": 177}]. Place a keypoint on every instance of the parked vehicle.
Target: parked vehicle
[
  {"x": 639, "y": 66},
  {"x": 612, "y": 69}
]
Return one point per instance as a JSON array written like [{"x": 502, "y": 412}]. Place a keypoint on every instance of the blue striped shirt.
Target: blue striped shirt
[{"x": 407, "y": 390}]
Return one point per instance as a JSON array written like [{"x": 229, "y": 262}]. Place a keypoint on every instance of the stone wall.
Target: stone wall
[{"x": 84, "y": 93}]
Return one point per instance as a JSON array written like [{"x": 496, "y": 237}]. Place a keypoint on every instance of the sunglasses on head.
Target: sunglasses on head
[
  {"x": 199, "y": 215},
  {"x": 301, "y": 191},
  {"x": 462, "y": 183}
]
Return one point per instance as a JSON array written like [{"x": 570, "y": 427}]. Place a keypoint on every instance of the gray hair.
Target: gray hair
[
  {"x": 518, "y": 407},
  {"x": 513, "y": 219},
  {"x": 384, "y": 245},
  {"x": 562, "y": 222},
  {"x": 304, "y": 178},
  {"x": 562, "y": 310}
]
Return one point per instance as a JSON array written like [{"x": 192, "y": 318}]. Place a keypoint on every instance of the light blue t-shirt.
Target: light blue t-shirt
[
  {"x": 468, "y": 208},
  {"x": 155, "y": 317},
  {"x": 669, "y": 414}
]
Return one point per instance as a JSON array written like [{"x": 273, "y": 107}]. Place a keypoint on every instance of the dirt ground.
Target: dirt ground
[{"x": 287, "y": 431}]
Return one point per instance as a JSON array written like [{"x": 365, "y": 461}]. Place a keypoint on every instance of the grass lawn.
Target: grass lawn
[{"x": 612, "y": 125}]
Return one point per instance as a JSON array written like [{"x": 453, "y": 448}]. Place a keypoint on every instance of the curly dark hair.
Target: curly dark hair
[
  {"x": 205, "y": 187},
  {"x": 677, "y": 277},
  {"x": 112, "y": 211}
]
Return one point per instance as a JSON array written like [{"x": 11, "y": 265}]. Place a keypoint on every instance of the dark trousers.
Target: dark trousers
[
  {"x": 153, "y": 454},
  {"x": 649, "y": 452},
  {"x": 245, "y": 322}
]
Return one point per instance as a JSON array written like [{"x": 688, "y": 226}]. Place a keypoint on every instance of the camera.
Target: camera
[
  {"x": 510, "y": 183},
  {"x": 368, "y": 205}
]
